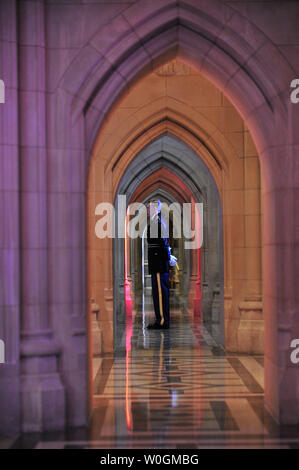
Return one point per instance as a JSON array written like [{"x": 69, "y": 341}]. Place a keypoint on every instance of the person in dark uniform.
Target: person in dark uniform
[{"x": 158, "y": 264}]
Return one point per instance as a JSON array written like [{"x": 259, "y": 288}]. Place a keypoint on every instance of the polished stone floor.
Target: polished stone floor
[{"x": 174, "y": 388}]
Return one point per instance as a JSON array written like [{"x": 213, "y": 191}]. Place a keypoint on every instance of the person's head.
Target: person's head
[{"x": 154, "y": 207}]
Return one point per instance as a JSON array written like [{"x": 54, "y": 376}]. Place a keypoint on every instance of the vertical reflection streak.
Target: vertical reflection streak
[{"x": 129, "y": 331}]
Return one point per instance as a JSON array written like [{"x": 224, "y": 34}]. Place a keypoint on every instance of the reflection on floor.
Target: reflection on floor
[{"x": 174, "y": 388}]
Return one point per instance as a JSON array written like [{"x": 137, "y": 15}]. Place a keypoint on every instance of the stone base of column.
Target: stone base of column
[
  {"x": 230, "y": 322},
  {"x": 216, "y": 305},
  {"x": 108, "y": 304},
  {"x": 192, "y": 291},
  {"x": 197, "y": 308},
  {"x": 195, "y": 298},
  {"x": 97, "y": 340},
  {"x": 9, "y": 401},
  {"x": 289, "y": 395},
  {"x": 197, "y": 302},
  {"x": 250, "y": 334},
  {"x": 128, "y": 298},
  {"x": 43, "y": 406}
]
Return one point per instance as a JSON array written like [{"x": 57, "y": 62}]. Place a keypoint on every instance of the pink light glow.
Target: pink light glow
[
  {"x": 129, "y": 332},
  {"x": 128, "y": 298}
]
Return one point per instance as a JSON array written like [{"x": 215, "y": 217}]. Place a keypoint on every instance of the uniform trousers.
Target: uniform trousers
[{"x": 160, "y": 290}]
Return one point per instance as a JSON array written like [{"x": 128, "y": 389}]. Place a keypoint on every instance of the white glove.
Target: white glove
[{"x": 172, "y": 261}]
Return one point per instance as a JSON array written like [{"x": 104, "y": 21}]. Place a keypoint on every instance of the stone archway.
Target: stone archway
[
  {"x": 255, "y": 108},
  {"x": 142, "y": 175},
  {"x": 167, "y": 186},
  {"x": 250, "y": 69},
  {"x": 137, "y": 274}
]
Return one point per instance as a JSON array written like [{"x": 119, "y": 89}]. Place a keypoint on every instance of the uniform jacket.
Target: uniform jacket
[{"x": 158, "y": 248}]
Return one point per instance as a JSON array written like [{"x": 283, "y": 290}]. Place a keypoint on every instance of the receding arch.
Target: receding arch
[
  {"x": 137, "y": 46},
  {"x": 257, "y": 113},
  {"x": 215, "y": 149},
  {"x": 166, "y": 153},
  {"x": 163, "y": 188}
]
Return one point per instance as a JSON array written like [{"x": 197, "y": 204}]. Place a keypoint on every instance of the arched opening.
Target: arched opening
[
  {"x": 167, "y": 166},
  {"x": 230, "y": 57},
  {"x": 169, "y": 148}
]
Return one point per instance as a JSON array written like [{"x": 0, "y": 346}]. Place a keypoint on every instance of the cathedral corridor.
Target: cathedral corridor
[{"x": 109, "y": 106}]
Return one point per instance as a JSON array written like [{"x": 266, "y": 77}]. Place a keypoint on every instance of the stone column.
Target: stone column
[
  {"x": 10, "y": 223},
  {"x": 195, "y": 278},
  {"x": 42, "y": 394},
  {"x": 230, "y": 320},
  {"x": 251, "y": 328},
  {"x": 281, "y": 270}
]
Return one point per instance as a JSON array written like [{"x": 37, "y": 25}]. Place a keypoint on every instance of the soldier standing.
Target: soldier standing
[{"x": 158, "y": 264}]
